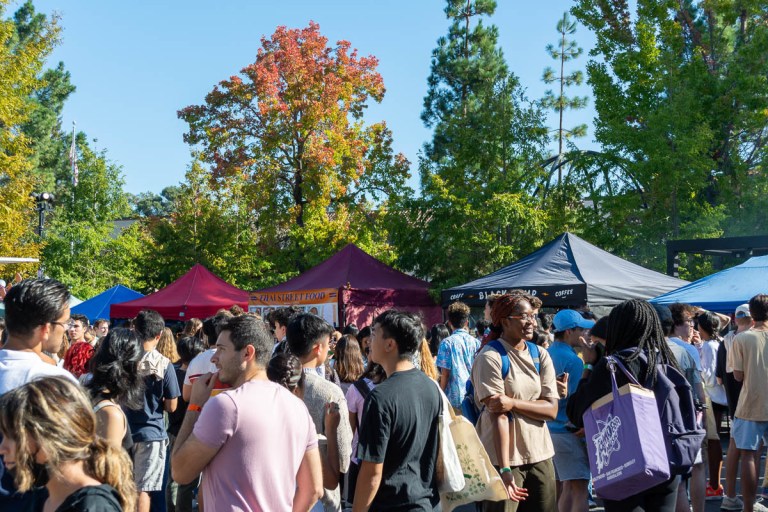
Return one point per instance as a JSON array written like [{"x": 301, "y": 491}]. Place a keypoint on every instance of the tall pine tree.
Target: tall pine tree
[{"x": 479, "y": 172}]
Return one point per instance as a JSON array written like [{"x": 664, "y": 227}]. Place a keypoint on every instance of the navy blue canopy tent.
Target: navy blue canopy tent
[
  {"x": 568, "y": 271},
  {"x": 98, "y": 306},
  {"x": 724, "y": 291}
]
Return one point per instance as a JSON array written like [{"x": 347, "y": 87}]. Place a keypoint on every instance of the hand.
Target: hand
[
  {"x": 500, "y": 403},
  {"x": 695, "y": 336},
  {"x": 514, "y": 492},
  {"x": 332, "y": 416},
  {"x": 562, "y": 386},
  {"x": 580, "y": 432},
  {"x": 202, "y": 389},
  {"x": 588, "y": 352}
]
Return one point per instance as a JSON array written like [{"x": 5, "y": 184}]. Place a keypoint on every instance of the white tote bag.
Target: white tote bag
[{"x": 450, "y": 476}]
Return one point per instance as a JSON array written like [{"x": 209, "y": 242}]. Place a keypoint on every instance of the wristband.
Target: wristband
[
  {"x": 588, "y": 366},
  {"x": 505, "y": 469},
  {"x": 194, "y": 408}
]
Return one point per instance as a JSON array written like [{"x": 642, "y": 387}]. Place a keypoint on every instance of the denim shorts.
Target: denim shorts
[
  {"x": 747, "y": 434},
  {"x": 571, "y": 461}
]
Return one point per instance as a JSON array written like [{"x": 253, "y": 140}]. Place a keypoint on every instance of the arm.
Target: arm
[
  {"x": 190, "y": 455},
  {"x": 445, "y": 375},
  {"x": 500, "y": 424},
  {"x": 368, "y": 482},
  {"x": 724, "y": 320},
  {"x": 501, "y": 446},
  {"x": 186, "y": 392},
  {"x": 110, "y": 425},
  {"x": 443, "y": 363},
  {"x": 170, "y": 404},
  {"x": 309, "y": 482},
  {"x": 542, "y": 409},
  {"x": 353, "y": 422},
  {"x": 708, "y": 364},
  {"x": 331, "y": 469},
  {"x": 171, "y": 390}
]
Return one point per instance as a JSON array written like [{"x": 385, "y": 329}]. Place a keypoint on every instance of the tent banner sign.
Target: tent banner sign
[
  {"x": 552, "y": 296},
  {"x": 322, "y": 302}
]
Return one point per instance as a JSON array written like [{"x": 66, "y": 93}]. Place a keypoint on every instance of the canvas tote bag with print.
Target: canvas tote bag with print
[
  {"x": 625, "y": 441},
  {"x": 481, "y": 480}
]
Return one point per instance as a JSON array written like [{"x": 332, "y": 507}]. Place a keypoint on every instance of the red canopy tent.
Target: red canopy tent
[
  {"x": 361, "y": 285},
  {"x": 197, "y": 294}
]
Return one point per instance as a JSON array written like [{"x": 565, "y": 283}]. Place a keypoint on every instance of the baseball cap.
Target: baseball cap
[
  {"x": 663, "y": 312},
  {"x": 569, "y": 319},
  {"x": 743, "y": 311}
]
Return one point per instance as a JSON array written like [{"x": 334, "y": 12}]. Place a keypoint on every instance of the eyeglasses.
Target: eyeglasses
[
  {"x": 528, "y": 317},
  {"x": 69, "y": 324}
]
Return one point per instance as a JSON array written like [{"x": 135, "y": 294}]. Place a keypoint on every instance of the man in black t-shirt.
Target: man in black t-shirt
[{"x": 398, "y": 433}]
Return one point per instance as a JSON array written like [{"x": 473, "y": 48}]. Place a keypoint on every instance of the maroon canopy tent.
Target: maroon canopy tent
[
  {"x": 197, "y": 294},
  {"x": 360, "y": 286}
]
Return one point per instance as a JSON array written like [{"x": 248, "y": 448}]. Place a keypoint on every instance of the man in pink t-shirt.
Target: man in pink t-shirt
[{"x": 255, "y": 443}]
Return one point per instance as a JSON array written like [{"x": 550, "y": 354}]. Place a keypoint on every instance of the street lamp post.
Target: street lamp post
[{"x": 44, "y": 204}]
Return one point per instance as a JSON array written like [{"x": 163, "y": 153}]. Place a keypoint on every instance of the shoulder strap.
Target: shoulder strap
[
  {"x": 498, "y": 347},
  {"x": 104, "y": 403},
  {"x": 534, "y": 350},
  {"x": 362, "y": 387}
]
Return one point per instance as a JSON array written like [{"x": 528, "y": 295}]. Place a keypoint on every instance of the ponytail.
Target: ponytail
[{"x": 113, "y": 466}]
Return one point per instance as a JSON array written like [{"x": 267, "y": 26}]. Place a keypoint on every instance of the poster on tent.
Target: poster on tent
[{"x": 322, "y": 302}]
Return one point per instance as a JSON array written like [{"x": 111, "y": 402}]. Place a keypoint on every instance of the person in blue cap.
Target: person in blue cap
[{"x": 571, "y": 461}]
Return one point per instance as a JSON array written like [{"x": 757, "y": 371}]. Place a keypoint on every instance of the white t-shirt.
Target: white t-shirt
[
  {"x": 18, "y": 368},
  {"x": 200, "y": 365}
]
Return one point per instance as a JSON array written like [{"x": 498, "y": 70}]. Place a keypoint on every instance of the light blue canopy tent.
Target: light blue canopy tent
[
  {"x": 724, "y": 291},
  {"x": 98, "y": 306}
]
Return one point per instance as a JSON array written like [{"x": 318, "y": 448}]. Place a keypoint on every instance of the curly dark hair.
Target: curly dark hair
[{"x": 114, "y": 369}]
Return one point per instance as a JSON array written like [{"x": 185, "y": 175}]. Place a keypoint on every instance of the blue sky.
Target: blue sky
[{"x": 136, "y": 63}]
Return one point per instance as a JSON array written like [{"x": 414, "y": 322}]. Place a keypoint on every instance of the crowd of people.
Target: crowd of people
[{"x": 240, "y": 412}]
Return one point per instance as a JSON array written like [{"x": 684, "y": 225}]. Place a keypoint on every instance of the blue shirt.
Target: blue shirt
[
  {"x": 693, "y": 351},
  {"x": 566, "y": 360},
  {"x": 455, "y": 354},
  {"x": 147, "y": 423}
]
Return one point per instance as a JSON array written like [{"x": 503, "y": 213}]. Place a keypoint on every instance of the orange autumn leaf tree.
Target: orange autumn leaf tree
[{"x": 288, "y": 135}]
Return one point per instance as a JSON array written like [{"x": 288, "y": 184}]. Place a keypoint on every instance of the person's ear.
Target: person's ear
[
  {"x": 249, "y": 352},
  {"x": 44, "y": 330}
]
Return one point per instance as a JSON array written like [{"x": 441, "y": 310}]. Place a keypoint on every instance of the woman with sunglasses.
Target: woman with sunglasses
[{"x": 512, "y": 424}]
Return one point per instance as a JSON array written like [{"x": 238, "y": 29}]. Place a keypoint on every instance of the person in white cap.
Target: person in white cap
[{"x": 750, "y": 424}]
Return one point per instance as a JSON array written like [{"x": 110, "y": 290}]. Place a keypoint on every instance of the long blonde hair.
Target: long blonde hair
[
  {"x": 426, "y": 362},
  {"x": 167, "y": 345},
  {"x": 55, "y": 415}
]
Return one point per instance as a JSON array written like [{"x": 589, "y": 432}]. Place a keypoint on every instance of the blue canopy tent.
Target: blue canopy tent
[
  {"x": 568, "y": 271},
  {"x": 98, "y": 306},
  {"x": 724, "y": 291}
]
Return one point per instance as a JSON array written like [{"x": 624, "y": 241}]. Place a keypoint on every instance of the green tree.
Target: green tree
[
  {"x": 208, "y": 226},
  {"x": 21, "y": 60},
  {"x": 149, "y": 204},
  {"x": 680, "y": 93},
  {"x": 82, "y": 247},
  {"x": 565, "y": 51},
  {"x": 477, "y": 208},
  {"x": 287, "y": 138}
]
